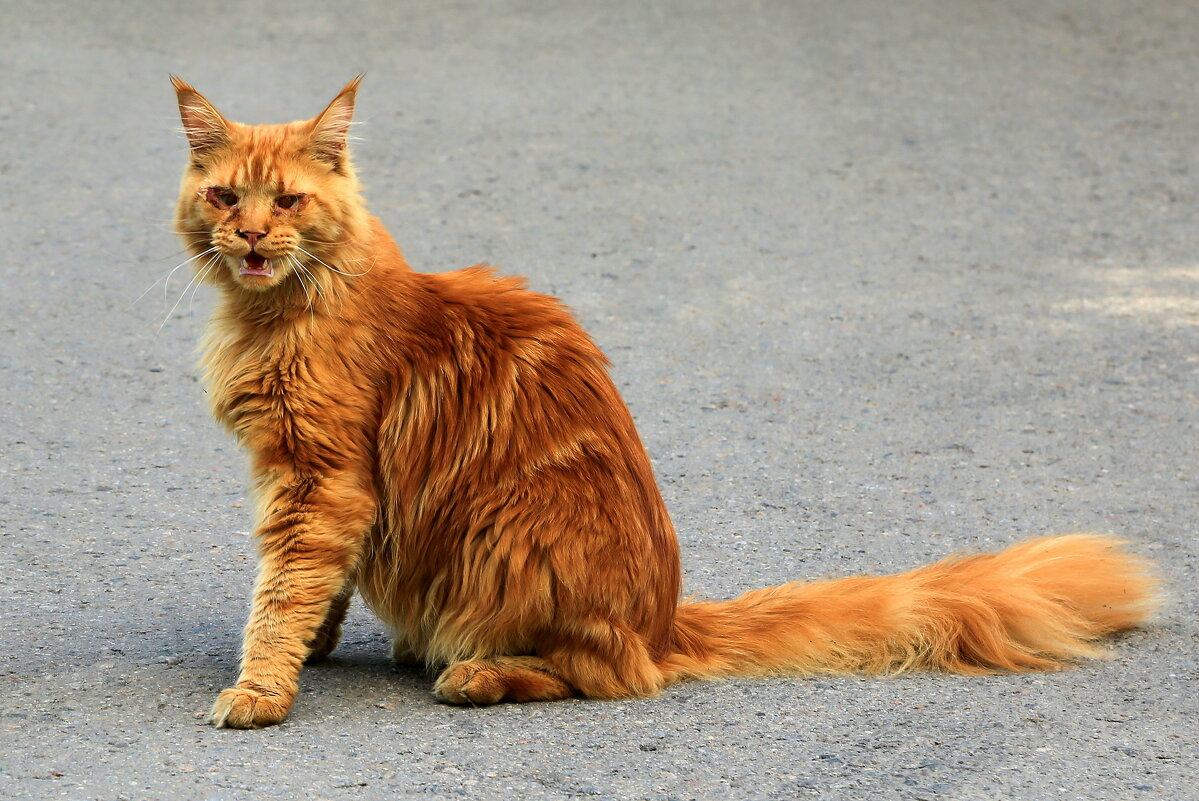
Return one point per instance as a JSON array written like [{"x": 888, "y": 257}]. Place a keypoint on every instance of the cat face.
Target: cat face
[{"x": 266, "y": 202}]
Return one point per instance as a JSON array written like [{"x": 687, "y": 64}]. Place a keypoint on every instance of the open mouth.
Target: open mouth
[{"x": 256, "y": 264}]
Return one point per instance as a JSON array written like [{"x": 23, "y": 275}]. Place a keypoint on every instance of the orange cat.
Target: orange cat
[{"x": 452, "y": 447}]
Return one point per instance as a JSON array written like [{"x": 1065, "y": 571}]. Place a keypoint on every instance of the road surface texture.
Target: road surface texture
[{"x": 880, "y": 281}]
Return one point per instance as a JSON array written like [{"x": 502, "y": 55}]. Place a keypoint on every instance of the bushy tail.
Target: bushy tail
[{"x": 1033, "y": 606}]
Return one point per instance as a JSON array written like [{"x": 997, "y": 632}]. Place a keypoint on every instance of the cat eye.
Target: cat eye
[
  {"x": 287, "y": 202},
  {"x": 221, "y": 198}
]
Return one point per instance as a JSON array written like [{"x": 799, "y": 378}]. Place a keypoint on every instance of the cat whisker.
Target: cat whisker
[
  {"x": 203, "y": 274},
  {"x": 174, "y": 230},
  {"x": 334, "y": 269},
  {"x": 353, "y": 261},
  {"x": 172, "y": 272},
  {"x": 181, "y": 294},
  {"x": 316, "y": 284},
  {"x": 315, "y": 281},
  {"x": 172, "y": 254},
  {"x": 304, "y": 286},
  {"x": 162, "y": 257},
  {"x": 170, "y": 224},
  {"x": 320, "y": 292}
]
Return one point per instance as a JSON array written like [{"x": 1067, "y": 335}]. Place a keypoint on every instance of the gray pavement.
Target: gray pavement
[{"x": 880, "y": 281}]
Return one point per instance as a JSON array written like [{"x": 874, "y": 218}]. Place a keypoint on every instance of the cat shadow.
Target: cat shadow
[{"x": 366, "y": 680}]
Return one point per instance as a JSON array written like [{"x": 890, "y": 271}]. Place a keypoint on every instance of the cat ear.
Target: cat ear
[
  {"x": 331, "y": 129},
  {"x": 206, "y": 129}
]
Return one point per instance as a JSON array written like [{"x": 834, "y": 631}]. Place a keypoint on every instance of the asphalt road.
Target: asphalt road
[{"x": 880, "y": 281}]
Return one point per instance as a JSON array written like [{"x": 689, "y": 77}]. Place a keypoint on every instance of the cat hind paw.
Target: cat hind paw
[{"x": 480, "y": 682}]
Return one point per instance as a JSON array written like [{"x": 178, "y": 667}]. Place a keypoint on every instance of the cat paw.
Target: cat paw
[
  {"x": 479, "y": 682},
  {"x": 470, "y": 683},
  {"x": 243, "y": 708}
]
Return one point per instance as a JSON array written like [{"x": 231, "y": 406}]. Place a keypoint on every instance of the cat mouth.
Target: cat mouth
[{"x": 256, "y": 264}]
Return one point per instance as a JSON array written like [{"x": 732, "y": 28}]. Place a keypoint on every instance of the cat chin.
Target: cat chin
[{"x": 256, "y": 283}]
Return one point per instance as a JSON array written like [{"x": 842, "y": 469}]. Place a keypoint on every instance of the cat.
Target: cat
[{"x": 452, "y": 447}]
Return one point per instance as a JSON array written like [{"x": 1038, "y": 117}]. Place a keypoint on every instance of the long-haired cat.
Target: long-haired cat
[{"x": 452, "y": 447}]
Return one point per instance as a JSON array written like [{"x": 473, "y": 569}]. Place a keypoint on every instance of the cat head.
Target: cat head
[{"x": 267, "y": 206}]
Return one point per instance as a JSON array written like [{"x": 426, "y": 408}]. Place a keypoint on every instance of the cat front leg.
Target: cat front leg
[{"x": 310, "y": 538}]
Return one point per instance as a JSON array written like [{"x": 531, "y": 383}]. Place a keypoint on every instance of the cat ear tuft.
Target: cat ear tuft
[
  {"x": 331, "y": 129},
  {"x": 206, "y": 129}
]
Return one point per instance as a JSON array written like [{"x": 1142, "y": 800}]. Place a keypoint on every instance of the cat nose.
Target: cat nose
[{"x": 251, "y": 236}]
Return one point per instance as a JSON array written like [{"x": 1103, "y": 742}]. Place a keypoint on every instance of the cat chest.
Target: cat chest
[{"x": 278, "y": 406}]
